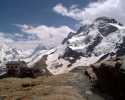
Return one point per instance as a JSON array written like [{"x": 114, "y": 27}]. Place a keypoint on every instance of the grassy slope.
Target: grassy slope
[
  {"x": 41, "y": 88},
  {"x": 71, "y": 86}
]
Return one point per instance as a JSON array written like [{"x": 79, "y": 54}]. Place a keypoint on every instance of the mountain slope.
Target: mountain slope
[{"x": 102, "y": 39}]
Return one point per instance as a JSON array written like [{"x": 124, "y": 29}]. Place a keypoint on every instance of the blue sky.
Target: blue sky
[
  {"x": 34, "y": 12},
  {"x": 49, "y": 21}
]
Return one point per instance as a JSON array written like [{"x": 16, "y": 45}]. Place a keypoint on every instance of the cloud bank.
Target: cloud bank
[
  {"x": 3, "y": 38},
  {"x": 109, "y": 8},
  {"x": 49, "y": 35},
  {"x": 30, "y": 36}
]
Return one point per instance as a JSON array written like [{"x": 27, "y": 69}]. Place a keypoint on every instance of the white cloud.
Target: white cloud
[
  {"x": 109, "y": 8},
  {"x": 31, "y": 36},
  {"x": 49, "y": 35},
  {"x": 73, "y": 11},
  {"x": 24, "y": 26},
  {"x": 3, "y": 38}
]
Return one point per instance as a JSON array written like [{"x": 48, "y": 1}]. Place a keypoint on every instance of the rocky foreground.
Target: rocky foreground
[
  {"x": 71, "y": 86},
  {"x": 62, "y": 87},
  {"x": 101, "y": 81}
]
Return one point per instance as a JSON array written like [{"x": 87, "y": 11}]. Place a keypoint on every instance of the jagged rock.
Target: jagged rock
[
  {"x": 69, "y": 53},
  {"x": 89, "y": 72},
  {"x": 109, "y": 78},
  {"x": 70, "y": 35},
  {"x": 121, "y": 51},
  {"x": 101, "y": 37}
]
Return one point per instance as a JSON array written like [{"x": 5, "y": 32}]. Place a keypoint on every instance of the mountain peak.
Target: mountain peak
[
  {"x": 106, "y": 20},
  {"x": 97, "y": 38}
]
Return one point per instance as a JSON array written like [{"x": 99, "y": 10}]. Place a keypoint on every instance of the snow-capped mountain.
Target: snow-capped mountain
[
  {"x": 102, "y": 39},
  {"x": 29, "y": 56},
  {"x": 7, "y": 53}
]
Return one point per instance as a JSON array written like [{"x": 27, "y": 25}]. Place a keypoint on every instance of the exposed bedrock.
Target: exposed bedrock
[{"x": 108, "y": 78}]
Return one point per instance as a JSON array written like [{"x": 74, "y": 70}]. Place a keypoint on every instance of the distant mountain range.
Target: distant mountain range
[{"x": 102, "y": 39}]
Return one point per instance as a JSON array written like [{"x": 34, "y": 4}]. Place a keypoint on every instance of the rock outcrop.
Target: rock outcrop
[{"x": 108, "y": 78}]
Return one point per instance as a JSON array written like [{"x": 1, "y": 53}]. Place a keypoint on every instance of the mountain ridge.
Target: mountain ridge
[{"x": 102, "y": 39}]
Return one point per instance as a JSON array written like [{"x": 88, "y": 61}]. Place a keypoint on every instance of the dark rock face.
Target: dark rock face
[
  {"x": 107, "y": 20},
  {"x": 109, "y": 79},
  {"x": 68, "y": 37},
  {"x": 121, "y": 51},
  {"x": 104, "y": 27},
  {"x": 84, "y": 28},
  {"x": 70, "y": 53},
  {"x": 101, "y": 29},
  {"x": 91, "y": 47}
]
